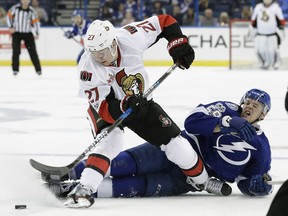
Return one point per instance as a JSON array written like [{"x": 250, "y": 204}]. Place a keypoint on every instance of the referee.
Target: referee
[{"x": 22, "y": 19}]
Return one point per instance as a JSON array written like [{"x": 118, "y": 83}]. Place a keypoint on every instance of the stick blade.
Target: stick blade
[{"x": 49, "y": 169}]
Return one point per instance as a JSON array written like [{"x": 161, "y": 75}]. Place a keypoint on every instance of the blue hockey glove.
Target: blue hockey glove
[
  {"x": 181, "y": 52},
  {"x": 239, "y": 126},
  {"x": 258, "y": 185},
  {"x": 69, "y": 34}
]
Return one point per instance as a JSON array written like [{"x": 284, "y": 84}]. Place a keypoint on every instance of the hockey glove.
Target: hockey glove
[
  {"x": 252, "y": 32},
  {"x": 237, "y": 125},
  {"x": 69, "y": 34},
  {"x": 281, "y": 34},
  {"x": 138, "y": 104},
  {"x": 181, "y": 52},
  {"x": 80, "y": 197},
  {"x": 258, "y": 185}
]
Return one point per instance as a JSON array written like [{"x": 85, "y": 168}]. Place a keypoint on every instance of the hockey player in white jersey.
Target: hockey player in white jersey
[
  {"x": 268, "y": 22},
  {"x": 112, "y": 76}
]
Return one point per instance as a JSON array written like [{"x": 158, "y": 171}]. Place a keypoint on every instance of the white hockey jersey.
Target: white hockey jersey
[
  {"x": 129, "y": 75},
  {"x": 266, "y": 18}
]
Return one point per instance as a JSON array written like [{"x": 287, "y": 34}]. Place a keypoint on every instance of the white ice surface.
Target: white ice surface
[{"x": 42, "y": 118}]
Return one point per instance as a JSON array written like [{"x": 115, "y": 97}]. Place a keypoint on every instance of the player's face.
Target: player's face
[
  {"x": 252, "y": 110},
  {"x": 77, "y": 20},
  {"x": 104, "y": 56}
]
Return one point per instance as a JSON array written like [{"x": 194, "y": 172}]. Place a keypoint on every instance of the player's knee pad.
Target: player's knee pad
[
  {"x": 123, "y": 165},
  {"x": 261, "y": 47},
  {"x": 180, "y": 152},
  {"x": 111, "y": 145}
]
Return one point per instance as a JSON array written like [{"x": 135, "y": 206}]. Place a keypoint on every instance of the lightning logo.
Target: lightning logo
[{"x": 234, "y": 147}]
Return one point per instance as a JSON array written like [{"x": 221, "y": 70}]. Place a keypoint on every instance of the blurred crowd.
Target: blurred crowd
[{"x": 186, "y": 12}]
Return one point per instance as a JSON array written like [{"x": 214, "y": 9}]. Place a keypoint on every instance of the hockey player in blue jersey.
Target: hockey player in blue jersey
[
  {"x": 225, "y": 135},
  {"x": 80, "y": 26}
]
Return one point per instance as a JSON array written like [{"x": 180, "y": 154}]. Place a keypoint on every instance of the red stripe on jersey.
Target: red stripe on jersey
[
  {"x": 92, "y": 117},
  {"x": 98, "y": 162},
  {"x": 104, "y": 113},
  {"x": 195, "y": 170},
  {"x": 282, "y": 23},
  {"x": 165, "y": 20}
]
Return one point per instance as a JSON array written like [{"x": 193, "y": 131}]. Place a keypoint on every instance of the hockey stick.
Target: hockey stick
[
  {"x": 65, "y": 169},
  {"x": 57, "y": 24}
]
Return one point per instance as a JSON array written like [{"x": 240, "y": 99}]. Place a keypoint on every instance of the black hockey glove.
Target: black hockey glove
[
  {"x": 69, "y": 34},
  {"x": 138, "y": 104},
  {"x": 181, "y": 52}
]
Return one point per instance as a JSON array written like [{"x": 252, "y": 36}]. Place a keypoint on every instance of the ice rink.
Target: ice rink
[{"x": 42, "y": 118}]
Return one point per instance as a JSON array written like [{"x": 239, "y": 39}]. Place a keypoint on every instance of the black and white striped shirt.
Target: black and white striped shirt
[{"x": 23, "y": 20}]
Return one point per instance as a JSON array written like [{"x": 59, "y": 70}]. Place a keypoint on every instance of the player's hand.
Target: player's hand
[
  {"x": 80, "y": 197},
  {"x": 69, "y": 34},
  {"x": 138, "y": 104},
  {"x": 258, "y": 185},
  {"x": 237, "y": 125},
  {"x": 181, "y": 51}
]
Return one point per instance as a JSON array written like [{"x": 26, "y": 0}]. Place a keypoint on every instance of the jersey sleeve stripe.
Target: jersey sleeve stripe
[{"x": 165, "y": 20}]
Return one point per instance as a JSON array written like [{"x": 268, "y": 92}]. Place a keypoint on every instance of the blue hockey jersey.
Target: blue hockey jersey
[
  {"x": 226, "y": 156},
  {"x": 81, "y": 30}
]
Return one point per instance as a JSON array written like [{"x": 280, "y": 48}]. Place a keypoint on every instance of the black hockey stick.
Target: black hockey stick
[
  {"x": 65, "y": 169},
  {"x": 74, "y": 39}
]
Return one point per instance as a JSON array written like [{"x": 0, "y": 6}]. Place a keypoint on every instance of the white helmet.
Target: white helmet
[{"x": 100, "y": 35}]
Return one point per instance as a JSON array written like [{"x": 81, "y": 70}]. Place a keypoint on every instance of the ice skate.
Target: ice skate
[
  {"x": 217, "y": 187},
  {"x": 212, "y": 185},
  {"x": 61, "y": 189}
]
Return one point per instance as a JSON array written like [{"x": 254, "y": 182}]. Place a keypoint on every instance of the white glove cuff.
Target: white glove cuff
[{"x": 226, "y": 121}]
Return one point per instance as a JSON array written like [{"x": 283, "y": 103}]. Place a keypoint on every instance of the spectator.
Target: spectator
[
  {"x": 246, "y": 12},
  {"x": 188, "y": 17},
  {"x": 204, "y": 4},
  {"x": 132, "y": 6},
  {"x": 207, "y": 20},
  {"x": 41, "y": 12},
  {"x": 176, "y": 13},
  {"x": 128, "y": 18},
  {"x": 223, "y": 19},
  {"x": 106, "y": 13},
  {"x": 119, "y": 14},
  {"x": 185, "y": 5},
  {"x": 3, "y": 21},
  {"x": 157, "y": 8}
]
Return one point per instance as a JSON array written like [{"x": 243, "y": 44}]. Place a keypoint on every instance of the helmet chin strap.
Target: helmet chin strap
[
  {"x": 257, "y": 120},
  {"x": 113, "y": 54}
]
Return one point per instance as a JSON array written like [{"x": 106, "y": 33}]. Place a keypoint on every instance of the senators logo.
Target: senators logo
[
  {"x": 166, "y": 122},
  {"x": 130, "y": 84},
  {"x": 85, "y": 76}
]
